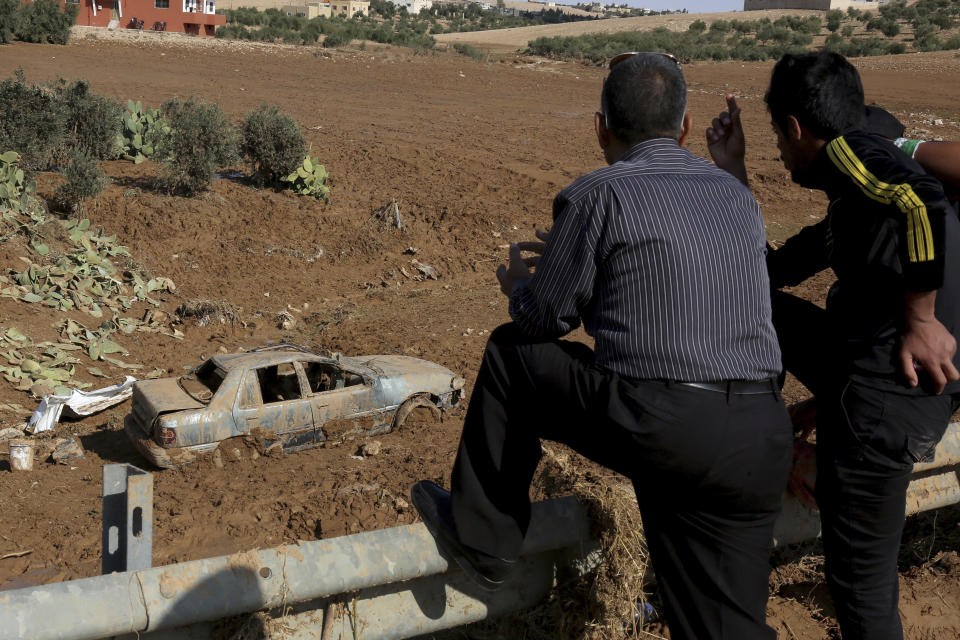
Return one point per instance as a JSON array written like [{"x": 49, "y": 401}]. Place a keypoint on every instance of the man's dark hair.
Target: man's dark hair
[
  {"x": 821, "y": 90},
  {"x": 881, "y": 122},
  {"x": 644, "y": 97}
]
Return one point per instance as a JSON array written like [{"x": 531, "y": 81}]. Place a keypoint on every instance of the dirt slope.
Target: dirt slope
[{"x": 473, "y": 154}]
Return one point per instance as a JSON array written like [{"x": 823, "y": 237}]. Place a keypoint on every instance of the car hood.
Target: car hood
[
  {"x": 162, "y": 395},
  {"x": 409, "y": 374}
]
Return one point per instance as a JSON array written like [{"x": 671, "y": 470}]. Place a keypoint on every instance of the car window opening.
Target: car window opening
[
  {"x": 202, "y": 383},
  {"x": 325, "y": 377},
  {"x": 279, "y": 383}
]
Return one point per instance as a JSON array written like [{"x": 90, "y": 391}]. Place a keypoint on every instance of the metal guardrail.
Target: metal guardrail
[
  {"x": 378, "y": 585},
  {"x": 934, "y": 485},
  {"x": 374, "y": 567}
]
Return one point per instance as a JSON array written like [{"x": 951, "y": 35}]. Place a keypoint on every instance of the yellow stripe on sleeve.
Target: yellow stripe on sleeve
[{"x": 919, "y": 234}]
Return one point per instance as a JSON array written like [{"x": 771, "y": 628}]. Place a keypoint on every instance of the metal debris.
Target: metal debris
[
  {"x": 426, "y": 271},
  {"x": 68, "y": 449}
]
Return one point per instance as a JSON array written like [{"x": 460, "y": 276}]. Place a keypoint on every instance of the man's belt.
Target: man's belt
[{"x": 737, "y": 387}]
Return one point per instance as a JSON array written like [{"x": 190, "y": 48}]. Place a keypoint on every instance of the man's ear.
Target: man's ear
[
  {"x": 685, "y": 127},
  {"x": 795, "y": 131},
  {"x": 603, "y": 133}
]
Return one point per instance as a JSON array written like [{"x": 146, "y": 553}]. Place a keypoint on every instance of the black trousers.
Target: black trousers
[
  {"x": 708, "y": 469},
  {"x": 867, "y": 441}
]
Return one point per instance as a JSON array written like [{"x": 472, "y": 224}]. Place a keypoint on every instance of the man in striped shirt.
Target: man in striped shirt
[
  {"x": 661, "y": 256},
  {"x": 881, "y": 359}
]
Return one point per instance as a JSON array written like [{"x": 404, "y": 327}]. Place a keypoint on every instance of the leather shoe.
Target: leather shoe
[{"x": 435, "y": 508}]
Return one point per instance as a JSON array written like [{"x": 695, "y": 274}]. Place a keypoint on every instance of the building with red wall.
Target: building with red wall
[{"x": 197, "y": 17}]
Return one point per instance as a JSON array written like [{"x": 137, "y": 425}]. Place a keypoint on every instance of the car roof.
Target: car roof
[{"x": 253, "y": 360}]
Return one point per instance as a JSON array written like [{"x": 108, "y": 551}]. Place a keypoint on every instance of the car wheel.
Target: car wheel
[{"x": 415, "y": 402}]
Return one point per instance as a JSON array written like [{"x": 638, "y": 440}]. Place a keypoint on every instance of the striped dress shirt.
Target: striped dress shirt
[{"x": 662, "y": 257}]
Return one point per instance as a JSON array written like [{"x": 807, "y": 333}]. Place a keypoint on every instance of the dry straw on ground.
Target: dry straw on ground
[
  {"x": 205, "y": 312},
  {"x": 609, "y": 598}
]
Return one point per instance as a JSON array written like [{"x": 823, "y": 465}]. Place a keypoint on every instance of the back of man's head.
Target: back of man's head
[
  {"x": 644, "y": 97},
  {"x": 821, "y": 90}
]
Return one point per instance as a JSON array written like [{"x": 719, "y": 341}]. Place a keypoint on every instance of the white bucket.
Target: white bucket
[{"x": 21, "y": 455}]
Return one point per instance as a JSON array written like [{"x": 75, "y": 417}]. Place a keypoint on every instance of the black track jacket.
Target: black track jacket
[{"x": 888, "y": 229}]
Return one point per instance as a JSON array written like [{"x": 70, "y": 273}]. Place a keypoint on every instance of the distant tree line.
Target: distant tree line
[{"x": 930, "y": 20}]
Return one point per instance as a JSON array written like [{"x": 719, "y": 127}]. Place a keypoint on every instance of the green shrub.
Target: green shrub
[
  {"x": 892, "y": 10},
  {"x": 811, "y": 25},
  {"x": 697, "y": 26},
  {"x": 951, "y": 43},
  {"x": 85, "y": 179},
  {"x": 421, "y": 45},
  {"x": 233, "y": 31},
  {"x": 847, "y": 31},
  {"x": 720, "y": 26},
  {"x": 928, "y": 43},
  {"x": 337, "y": 39},
  {"x": 93, "y": 121},
  {"x": 852, "y": 13},
  {"x": 834, "y": 18},
  {"x": 869, "y": 47},
  {"x": 942, "y": 20},
  {"x": 46, "y": 21},
  {"x": 889, "y": 28},
  {"x": 273, "y": 143},
  {"x": 471, "y": 52},
  {"x": 201, "y": 141},
  {"x": 8, "y": 19},
  {"x": 33, "y": 122},
  {"x": 833, "y": 42}
]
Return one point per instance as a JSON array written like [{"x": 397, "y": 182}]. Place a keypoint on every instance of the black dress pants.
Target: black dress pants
[
  {"x": 708, "y": 468},
  {"x": 867, "y": 441}
]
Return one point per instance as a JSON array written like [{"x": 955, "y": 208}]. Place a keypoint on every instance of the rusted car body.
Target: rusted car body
[{"x": 282, "y": 397}]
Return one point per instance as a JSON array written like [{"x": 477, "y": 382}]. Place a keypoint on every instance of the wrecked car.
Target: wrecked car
[{"x": 283, "y": 397}]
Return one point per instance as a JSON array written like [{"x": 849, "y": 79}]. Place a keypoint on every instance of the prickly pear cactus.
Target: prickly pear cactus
[
  {"x": 144, "y": 130},
  {"x": 310, "y": 179},
  {"x": 13, "y": 182}
]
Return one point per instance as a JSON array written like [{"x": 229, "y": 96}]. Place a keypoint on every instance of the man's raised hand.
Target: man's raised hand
[
  {"x": 518, "y": 267},
  {"x": 726, "y": 142}
]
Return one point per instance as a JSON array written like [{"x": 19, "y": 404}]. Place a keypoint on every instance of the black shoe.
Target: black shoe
[{"x": 434, "y": 506}]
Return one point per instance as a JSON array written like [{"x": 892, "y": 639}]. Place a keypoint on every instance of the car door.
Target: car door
[
  {"x": 274, "y": 404},
  {"x": 343, "y": 405}
]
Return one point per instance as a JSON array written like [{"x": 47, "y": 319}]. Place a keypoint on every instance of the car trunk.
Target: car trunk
[{"x": 154, "y": 397}]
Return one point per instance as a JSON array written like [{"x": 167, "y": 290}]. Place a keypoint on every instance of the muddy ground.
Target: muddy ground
[{"x": 473, "y": 154}]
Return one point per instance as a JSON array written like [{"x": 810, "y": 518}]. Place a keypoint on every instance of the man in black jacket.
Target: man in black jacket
[{"x": 881, "y": 359}]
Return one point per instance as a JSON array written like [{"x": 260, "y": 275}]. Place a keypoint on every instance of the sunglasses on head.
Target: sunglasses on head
[{"x": 617, "y": 59}]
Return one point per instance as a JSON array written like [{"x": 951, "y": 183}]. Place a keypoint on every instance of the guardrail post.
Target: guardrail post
[{"x": 127, "y": 518}]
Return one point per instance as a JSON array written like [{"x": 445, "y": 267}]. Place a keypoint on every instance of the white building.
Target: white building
[{"x": 413, "y": 6}]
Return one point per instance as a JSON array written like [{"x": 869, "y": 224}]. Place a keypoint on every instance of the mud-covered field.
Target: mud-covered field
[{"x": 472, "y": 153}]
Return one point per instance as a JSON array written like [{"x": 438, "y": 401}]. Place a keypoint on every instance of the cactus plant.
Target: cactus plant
[
  {"x": 144, "y": 130},
  {"x": 310, "y": 179},
  {"x": 13, "y": 182}
]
